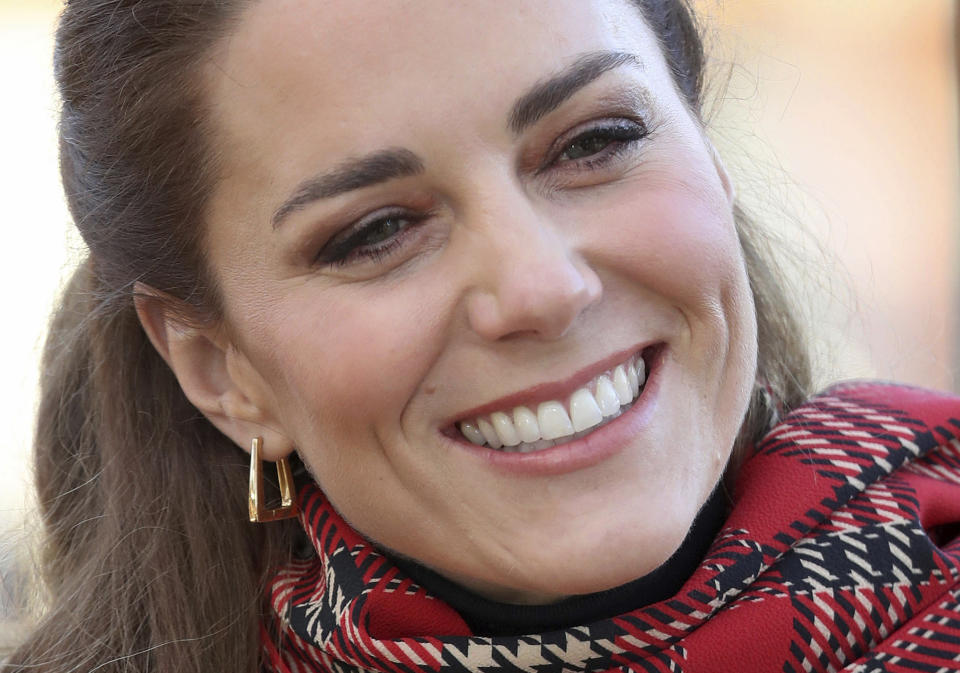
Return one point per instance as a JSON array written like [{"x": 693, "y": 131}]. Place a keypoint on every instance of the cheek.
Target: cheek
[
  {"x": 681, "y": 246},
  {"x": 350, "y": 357},
  {"x": 677, "y": 241}
]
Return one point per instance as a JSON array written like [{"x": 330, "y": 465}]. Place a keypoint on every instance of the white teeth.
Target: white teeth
[
  {"x": 622, "y": 385},
  {"x": 584, "y": 411},
  {"x": 504, "y": 427},
  {"x": 632, "y": 378},
  {"x": 491, "y": 435},
  {"x": 553, "y": 420},
  {"x": 472, "y": 432},
  {"x": 607, "y": 398},
  {"x": 526, "y": 424},
  {"x": 523, "y": 431}
]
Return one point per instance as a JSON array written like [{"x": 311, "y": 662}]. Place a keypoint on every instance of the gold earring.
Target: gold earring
[{"x": 288, "y": 508}]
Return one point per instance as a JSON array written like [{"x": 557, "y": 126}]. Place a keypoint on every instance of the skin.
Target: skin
[{"x": 523, "y": 266}]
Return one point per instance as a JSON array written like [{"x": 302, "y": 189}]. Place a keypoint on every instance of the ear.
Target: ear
[
  {"x": 214, "y": 374},
  {"x": 722, "y": 173}
]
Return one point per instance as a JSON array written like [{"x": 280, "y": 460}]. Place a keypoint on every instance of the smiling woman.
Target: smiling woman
[
  {"x": 456, "y": 257},
  {"x": 508, "y": 324}
]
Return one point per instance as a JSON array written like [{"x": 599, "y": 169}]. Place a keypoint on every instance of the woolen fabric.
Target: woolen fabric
[{"x": 841, "y": 553}]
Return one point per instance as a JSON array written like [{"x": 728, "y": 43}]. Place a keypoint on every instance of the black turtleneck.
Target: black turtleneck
[{"x": 491, "y": 618}]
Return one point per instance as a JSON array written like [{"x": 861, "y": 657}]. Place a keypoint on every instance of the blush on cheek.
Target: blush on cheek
[
  {"x": 355, "y": 358},
  {"x": 683, "y": 246}
]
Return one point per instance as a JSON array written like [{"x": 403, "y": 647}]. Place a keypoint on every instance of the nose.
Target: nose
[{"x": 530, "y": 279}]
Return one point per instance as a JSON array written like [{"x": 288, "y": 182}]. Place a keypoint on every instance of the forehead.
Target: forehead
[
  {"x": 351, "y": 61},
  {"x": 301, "y": 85},
  {"x": 395, "y": 38}
]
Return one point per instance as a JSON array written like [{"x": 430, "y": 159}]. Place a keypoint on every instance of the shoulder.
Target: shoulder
[
  {"x": 850, "y": 508},
  {"x": 858, "y": 433},
  {"x": 891, "y": 393},
  {"x": 879, "y": 404}
]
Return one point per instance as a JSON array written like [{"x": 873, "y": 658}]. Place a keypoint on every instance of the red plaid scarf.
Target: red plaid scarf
[{"x": 841, "y": 553}]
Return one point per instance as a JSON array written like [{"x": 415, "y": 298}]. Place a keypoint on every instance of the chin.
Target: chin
[{"x": 592, "y": 566}]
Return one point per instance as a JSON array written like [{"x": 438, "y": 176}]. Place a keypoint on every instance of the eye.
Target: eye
[
  {"x": 380, "y": 231},
  {"x": 599, "y": 143},
  {"x": 374, "y": 237}
]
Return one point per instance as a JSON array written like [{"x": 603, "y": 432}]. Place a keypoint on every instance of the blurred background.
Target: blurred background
[{"x": 838, "y": 119}]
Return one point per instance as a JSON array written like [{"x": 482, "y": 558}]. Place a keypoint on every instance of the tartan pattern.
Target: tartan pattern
[{"x": 828, "y": 562}]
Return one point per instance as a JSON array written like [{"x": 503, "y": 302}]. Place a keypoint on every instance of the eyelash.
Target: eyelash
[
  {"x": 619, "y": 136},
  {"x": 341, "y": 253}
]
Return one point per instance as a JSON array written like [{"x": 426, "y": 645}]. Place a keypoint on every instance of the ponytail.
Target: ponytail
[{"x": 148, "y": 560}]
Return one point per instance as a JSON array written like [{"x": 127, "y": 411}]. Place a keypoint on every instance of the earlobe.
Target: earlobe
[{"x": 217, "y": 379}]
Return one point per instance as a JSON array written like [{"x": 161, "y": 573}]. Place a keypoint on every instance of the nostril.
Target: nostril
[
  {"x": 484, "y": 315},
  {"x": 495, "y": 319},
  {"x": 529, "y": 279}
]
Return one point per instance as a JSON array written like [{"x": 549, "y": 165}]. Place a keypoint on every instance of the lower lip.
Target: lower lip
[{"x": 585, "y": 452}]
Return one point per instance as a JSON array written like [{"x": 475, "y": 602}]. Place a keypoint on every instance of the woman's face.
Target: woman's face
[{"x": 437, "y": 213}]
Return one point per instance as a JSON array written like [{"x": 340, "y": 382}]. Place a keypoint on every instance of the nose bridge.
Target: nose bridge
[{"x": 530, "y": 278}]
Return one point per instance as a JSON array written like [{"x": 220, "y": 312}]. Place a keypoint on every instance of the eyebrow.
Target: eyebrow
[
  {"x": 548, "y": 95},
  {"x": 381, "y": 166},
  {"x": 352, "y": 174}
]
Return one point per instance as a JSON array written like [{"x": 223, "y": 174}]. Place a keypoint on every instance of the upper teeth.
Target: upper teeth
[{"x": 522, "y": 429}]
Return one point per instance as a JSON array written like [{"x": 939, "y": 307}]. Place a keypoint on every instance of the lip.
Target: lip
[
  {"x": 554, "y": 390},
  {"x": 577, "y": 454}
]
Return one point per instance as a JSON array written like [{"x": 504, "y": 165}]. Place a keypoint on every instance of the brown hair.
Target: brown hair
[{"x": 149, "y": 562}]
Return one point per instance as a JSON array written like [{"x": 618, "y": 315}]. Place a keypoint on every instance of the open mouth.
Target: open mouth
[{"x": 524, "y": 429}]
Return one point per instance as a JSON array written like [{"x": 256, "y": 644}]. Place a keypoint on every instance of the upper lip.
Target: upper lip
[{"x": 553, "y": 390}]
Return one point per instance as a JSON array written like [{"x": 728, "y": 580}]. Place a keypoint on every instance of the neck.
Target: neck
[{"x": 506, "y": 612}]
